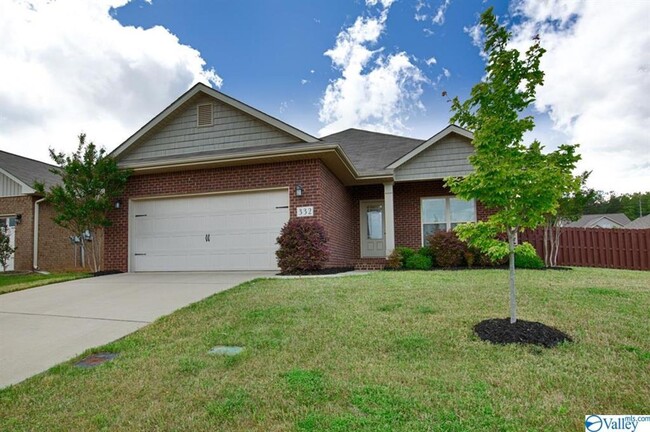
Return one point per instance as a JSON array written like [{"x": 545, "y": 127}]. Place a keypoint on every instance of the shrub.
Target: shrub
[
  {"x": 526, "y": 257},
  {"x": 405, "y": 253},
  {"x": 418, "y": 262},
  {"x": 447, "y": 248},
  {"x": 426, "y": 251},
  {"x": 303, "y": 246},
  {"x": 394, "y": 260}
]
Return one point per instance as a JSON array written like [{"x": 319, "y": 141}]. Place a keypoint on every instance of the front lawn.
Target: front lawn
[
  {"x": 19, "y": 281},
  {"x": 390, "y": 351}
]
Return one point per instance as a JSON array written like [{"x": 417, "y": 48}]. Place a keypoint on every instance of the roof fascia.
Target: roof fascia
[
  {"x": 428, "y": 143},
  {"x": 202, "y": 88}
]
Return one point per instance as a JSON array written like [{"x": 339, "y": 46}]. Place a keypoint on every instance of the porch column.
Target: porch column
[{"x": 389, "y": 215}]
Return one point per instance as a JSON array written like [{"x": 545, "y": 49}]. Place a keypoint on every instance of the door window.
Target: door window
[{"x": 375, "y": 218}]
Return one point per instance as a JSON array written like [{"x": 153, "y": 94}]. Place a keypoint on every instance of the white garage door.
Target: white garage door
[{"x": 217, "y": 232}]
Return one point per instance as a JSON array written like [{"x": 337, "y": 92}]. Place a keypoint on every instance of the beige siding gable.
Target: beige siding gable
[
  {"x": 231, "y": 129},
  {"x": 9, "y": 187},
  {"x": 447, "y": 157}
]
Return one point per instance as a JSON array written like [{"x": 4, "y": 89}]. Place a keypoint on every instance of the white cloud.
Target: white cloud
[
  {"x": 304, "y": 81},
  {"x": 384, "y": 3},
  {"x": 446, "y": 72},
  {"x": 439, "y": 17},
  {"x": 431, "y": 61},
  {"x": 420, "y": 17},
  {"x": 68, "y": 66},
  {"x": 376, "y": 91},
  {"x": 597, "y": 83}
]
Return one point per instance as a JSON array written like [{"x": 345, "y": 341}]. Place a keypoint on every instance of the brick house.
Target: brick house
[
  {"x": 40, "y": 243},
  {"x": 214, "y": 180}
]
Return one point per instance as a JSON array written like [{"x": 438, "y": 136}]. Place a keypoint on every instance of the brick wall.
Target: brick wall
[
  {"x": 54, "y": 250},
  {"x": 318, "y": 183},
  {"x": 407, "y": 196},
  {"x": 339, "y": 218},
  {"x": 24, "y": 231}
]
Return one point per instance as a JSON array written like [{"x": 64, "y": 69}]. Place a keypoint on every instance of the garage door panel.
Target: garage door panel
[{"x": 171, "y": 234}]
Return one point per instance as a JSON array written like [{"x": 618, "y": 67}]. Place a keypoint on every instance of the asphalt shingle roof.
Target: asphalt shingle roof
[
  {"x": 28, "y": 170},
  {"x": 587, "y": 221},
  {"x": 640, "y": 223},
  {"x": 372, "y": 152}
]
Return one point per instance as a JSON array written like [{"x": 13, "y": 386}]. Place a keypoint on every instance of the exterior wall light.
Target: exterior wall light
[
  {"x": 118, "y": 204},
  {"x": 299, "y": 191},
  {"x": 19, "y": 219}
]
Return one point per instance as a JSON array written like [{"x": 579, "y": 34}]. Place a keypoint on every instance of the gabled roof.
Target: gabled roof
[
  {"x": 591, "y": 220},
  {"x": 204, "y": 89},
  {"x": 639, "y": 223},
  {"x": 371, "y": 152},
  {"x": 26, "y": 171},
  {"x": 431, "y": 141}
]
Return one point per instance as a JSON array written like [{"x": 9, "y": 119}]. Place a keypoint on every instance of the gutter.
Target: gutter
[{"x": 36, "y": 224}]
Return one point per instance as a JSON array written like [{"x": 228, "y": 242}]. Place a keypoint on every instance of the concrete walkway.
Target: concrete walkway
[{"x": 41, "y": 327}]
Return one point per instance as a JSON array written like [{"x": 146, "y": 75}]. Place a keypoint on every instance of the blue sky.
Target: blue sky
[
  {"x": 264, "y": 49},
  {"x": 106, "y": 67}
]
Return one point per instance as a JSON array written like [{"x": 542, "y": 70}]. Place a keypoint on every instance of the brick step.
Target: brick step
[{"x": 370, "y": 264}]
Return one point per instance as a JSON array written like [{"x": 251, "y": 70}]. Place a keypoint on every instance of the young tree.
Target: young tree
[
  {"x": 570, "y": 208},
  {"x": 90, "y": 182},
  {"x": 519, "y": 182}
]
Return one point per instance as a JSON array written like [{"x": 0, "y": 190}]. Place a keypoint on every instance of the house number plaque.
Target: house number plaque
[{"x": 305, "y": 211}]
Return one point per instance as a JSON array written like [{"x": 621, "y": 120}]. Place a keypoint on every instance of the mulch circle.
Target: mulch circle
[{"x": 500, "y": 331}]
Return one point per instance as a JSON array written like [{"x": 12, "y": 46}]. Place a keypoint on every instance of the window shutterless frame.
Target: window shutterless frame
[{"x": 448, "y": 222}]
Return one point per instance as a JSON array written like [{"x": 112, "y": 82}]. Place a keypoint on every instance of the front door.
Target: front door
[{"x": 373, "y": 237}]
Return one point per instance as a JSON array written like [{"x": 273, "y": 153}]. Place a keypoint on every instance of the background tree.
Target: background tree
[
  {"x": 633, "y": 205},
  {"x": 90, "y": 183},
  {"x": 570, "y": 208},
  {"x": 519, "y": 182}
]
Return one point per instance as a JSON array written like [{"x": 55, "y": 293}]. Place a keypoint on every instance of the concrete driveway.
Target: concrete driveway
[{"x": 41, "y": 327}]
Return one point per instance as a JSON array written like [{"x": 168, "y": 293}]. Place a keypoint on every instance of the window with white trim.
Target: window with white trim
[{"x": 444, "y": 213}]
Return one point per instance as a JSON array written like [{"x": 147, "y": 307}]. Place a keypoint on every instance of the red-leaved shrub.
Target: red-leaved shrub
[
  {"x": 303, "y": 246},
  {"x": 448, "y": 250}
]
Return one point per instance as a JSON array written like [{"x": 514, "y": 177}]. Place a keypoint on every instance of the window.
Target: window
[
  {"x": 444, "y": 213},
  {"x": 375, "y": 223}
]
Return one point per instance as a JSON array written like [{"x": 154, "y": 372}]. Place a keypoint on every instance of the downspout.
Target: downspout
[{"x": 36, "y": 223}]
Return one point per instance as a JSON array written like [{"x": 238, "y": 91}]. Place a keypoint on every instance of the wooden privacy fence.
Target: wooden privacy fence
[{"x": 598, "y": 247}]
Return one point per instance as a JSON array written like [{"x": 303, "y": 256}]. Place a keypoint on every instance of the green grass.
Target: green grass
[
  {"x": 10, "y": 282},
  {"x": 390, "y": 351}
]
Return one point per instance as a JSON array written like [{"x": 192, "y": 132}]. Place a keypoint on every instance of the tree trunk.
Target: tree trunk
[
  {"x": 556, "y": 249},
  {"x": 512, "y": 233},
  {"x": 547, "y": 252}
]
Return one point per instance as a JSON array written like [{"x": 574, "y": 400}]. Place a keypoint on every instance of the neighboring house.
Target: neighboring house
[
  {"x": 639, "y": 223},
  {"x": 40, "y": 243},
  {"x": 214, "y": 180},
  {"x": 611, "y": 220}
]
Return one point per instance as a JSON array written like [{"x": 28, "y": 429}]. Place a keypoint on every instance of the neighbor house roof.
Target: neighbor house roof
[
  {"x": 26, "y": 171},
  {"x": 640, "y": 223},
  {"x": 592, "y": 220},
  {"x": 372, "y": 152}
]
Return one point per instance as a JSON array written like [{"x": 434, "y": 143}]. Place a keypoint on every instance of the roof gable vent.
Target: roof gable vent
[{"x": 204, "y": 115}]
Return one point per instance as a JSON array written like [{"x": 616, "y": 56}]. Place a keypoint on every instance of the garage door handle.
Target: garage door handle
[
  {"x": 140, "y": 254},
  {"x": 207, "y": 237},
  {"x": 280, "y": 207}
]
